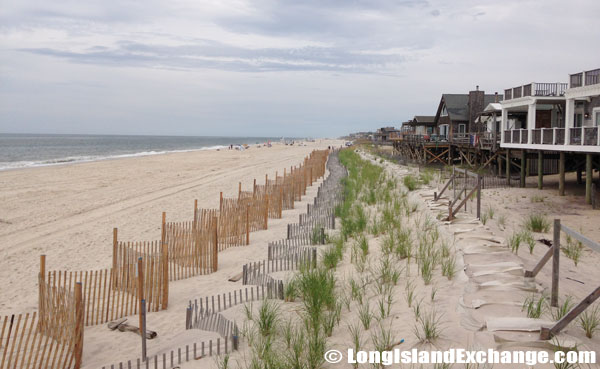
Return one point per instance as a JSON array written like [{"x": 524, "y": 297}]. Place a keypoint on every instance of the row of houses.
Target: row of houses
[
  {"x": 557, "y": 115},
  {"x": 537, "y": 127}
]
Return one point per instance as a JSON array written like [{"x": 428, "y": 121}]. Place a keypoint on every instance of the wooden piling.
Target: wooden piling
[
  {"x": 140, "y": 275},
  {"x": 588, "y": 178},
  {"x": 561, "y": 174},
  {"x": 523, "y": 167},
  {"x": 540, "y": 169},
  {"x": 78, "y": 349},
  {"x": 508, "y": 166},
  {"x": 165, "y": 275},
  {"x": 247, "y": 225}
]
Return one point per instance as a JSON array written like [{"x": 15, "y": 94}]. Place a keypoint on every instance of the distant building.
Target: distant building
[
  {"x": 457, "y": 113},
  {"x": 385, "y": 134}
]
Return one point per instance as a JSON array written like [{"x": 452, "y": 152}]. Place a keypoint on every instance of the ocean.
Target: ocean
[{"x": 34, "y": 150}]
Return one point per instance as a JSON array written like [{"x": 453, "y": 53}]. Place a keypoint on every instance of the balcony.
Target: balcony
[
  {"x": 591, "y": 77},
  {"x": 579, "y": 136},
  {"x": 536, "y": 89}
]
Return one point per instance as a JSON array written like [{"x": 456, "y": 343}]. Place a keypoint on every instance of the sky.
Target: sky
[{"x": 273, "y": 68}]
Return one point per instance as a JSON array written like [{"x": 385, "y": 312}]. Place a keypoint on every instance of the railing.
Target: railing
[
  {"x": 576, "y": 80},
  {"x": 517, "y": 92},
  {"x": 575, "y": 136},
  {"x": 541, "y": 136},
  {"x": 539, "y": 89},
  {"x": 592, "y": 77},
  {"x": 537, "y": 136},
  {"x": 590, "y": 136},
  {"x": 588, "y": 78}
]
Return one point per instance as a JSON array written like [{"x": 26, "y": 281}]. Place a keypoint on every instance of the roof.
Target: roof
[
  {"x": 457, "y": 105},
  {"x": 424, "y": 118}
]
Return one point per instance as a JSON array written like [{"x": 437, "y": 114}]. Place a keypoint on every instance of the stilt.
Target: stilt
[
  {"x": 508, "y": 166},
  {"x": 540, "y": 170},
  {"x": 449, "y": 154},
  {"x": 499, "y": 164},
  {"x": 523, "y": 166},
  {"x": 561, "y": 174},
  {"x": 527, "y": 167},
  {"x": 588, "y": 178},
  {"x": 579, "y": 181}
]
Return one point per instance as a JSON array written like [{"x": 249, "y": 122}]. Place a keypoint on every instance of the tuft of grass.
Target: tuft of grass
[
  {"x": 484, "y": 218},
  {"x": 449, "y": 267},
  {"x": 537, "y": 223},
  {"x": 428, "y": 327},
  {"x": 331, "y": 257},
  {"x": 534, "y": 307},
  {"x": 290, "y": 291},
  {"x": 527, "y": 237},
  {"x": 589, "y": 321},
  {"x": 365, "y": 315},
  {"x": 562, "y": 309},
  {"x": 573, "y": 250},
  {"x": 409, "y": 292},
  {"x": 356, "y": 336},
  {"x": 537, "y": 198},
  {"x": 502, "y": 221},
  {"x": 410, "y": 182},
  {"x": 514, "y": 242},
  {"x": 268, "y": 318}
]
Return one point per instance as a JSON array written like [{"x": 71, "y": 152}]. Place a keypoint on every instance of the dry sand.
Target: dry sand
[{"x": 68, "y": 212}]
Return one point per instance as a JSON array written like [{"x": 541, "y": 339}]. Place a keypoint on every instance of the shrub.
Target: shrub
[{"x": 410, "y": 182}]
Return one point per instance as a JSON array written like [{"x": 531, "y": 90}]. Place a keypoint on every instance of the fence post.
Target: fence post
[
  {"x": 247, "y": 225},
  {"x": 221, "y": 201},
  {"x": 165, "y": 277},
  {"x": 254, "y": 189},
  {"x": 41, "y": 280},
  {"x": 215, "y": 258},
  {"x": 266, "y": 211},
  {"x": 143, "y": 327},
  {"x": 78, "y": 347},
  {"x": 163, "y": 232},
  {"x": 322, "y": 236},
  {"x": 239, "y": 190},
  {"x": 280, "y": 202},
  {"x": 114, "y": 256},
  {"x": 555, "y": 263},
  {"x": 140, "y": 274},
  {"x": 478, "y": 196},
  {"x": 450, "y": 216},
  {"x": 195, "y": 213}
]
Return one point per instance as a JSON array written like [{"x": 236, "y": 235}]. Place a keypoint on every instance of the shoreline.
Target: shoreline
[{"x": 77, "y": 159}]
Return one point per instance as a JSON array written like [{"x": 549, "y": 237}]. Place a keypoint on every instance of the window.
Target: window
[
  {"x": 462, "y": 128},
  {"x": 444, "y": 111},
  {"x": 578, "y": 121},
  {"x": 597, "y": 117}
]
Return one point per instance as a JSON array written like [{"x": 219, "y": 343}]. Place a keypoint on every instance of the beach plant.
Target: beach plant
[
  {"x": 535, "y": 307},
  {"x": 565, "y": 350},
  {"x": 428, "y": 327},
  {"x": 484, "y": 218},
  {"x": 449, "y": 267},
  {"x": 331, "y": 257},
  {"x": 426, "y": 176},
  {"x": 573, "y": 250},
  {"x": 514, "y": 242},
  {"x": 417, "y": 310},
  {"x": 589, "y": 320},
  {"x": 365, "y": 315},
  {"x": 536, "y": 223},
  {"x": 502, "y": 221},
  {"x": 537, "y": 198},
  {"x": 222, "y": 361},
  {"x": 383, "y": 338},
  {"x": 248, "y": 311},
  {"x": 409, "y": 292},
  {"x": 290, "y": 290},
  {"x": 491, "y": 212},
  {"x": 433, "y": 293},
  {"x": 562, "y": 309},
  {"x": 356, "y": 337},
  {"x": 267, "y": 318},
  {"x": 410, "y": 182},
  {"x": 527, "y": 237}
]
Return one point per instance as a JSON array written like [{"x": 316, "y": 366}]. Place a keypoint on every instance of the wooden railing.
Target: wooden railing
[
  {"x": 553, "y": 253},
  {"x": 537, "y": 89},
  {"x": 588, "y": 78}
]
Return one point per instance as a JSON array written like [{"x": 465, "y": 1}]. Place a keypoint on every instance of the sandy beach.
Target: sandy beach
[{"x": 68, "y": 212}]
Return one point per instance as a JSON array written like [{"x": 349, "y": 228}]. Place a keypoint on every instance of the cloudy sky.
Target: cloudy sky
[{"x": 293, "y": 68}]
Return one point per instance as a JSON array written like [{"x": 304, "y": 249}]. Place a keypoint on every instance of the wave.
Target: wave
[{"x": 89, "y": 158}]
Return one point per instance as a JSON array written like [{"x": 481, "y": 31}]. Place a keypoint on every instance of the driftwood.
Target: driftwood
[
  {"x": 124, "y": 327},
  {"x": 236, "y": 277}
]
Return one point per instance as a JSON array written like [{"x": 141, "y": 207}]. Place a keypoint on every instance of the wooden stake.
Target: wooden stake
[
  {"x": 215, "y": 259},
  {"x": 239, "y": 190},
  {"x": 163, "y": 232},
  {"x": 266, "y": 211},
  {"x": 78, "y": 349},
  {"x": 247, "y": 225},
  {"x": 140, "y": 275},
  {"x": 555, "y": 263},
  {"x": 561, "y": 174},
  {"x": 195, "y": 213},
  {"x": 165, "y": 276},
  {"x": 280, "y": 202},
  {"x": 221, "y": 201},
  {"x": 115, "y": 250}
]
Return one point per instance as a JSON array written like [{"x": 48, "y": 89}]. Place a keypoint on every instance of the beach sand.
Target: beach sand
[{"x": 68, "y": 213}]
